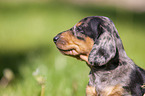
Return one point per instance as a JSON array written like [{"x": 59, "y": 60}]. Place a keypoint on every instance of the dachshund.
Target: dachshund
[{"x": 96, "y": 41}]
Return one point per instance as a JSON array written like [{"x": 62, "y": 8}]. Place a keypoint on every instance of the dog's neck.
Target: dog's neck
[{"x": 118, "y": 67}]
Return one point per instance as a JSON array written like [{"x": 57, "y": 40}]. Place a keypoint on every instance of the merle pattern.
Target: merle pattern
[{"x": 108, "y": 60}]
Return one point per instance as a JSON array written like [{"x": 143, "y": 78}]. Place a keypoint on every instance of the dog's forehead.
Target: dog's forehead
[{"x": 85, "y": 21}]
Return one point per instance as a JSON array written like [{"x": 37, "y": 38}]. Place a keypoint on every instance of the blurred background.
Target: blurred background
[{"x": 29, "y": 58}]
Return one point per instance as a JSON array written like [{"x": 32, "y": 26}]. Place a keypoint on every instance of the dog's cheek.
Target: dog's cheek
[{"x": 89, "y": 45}]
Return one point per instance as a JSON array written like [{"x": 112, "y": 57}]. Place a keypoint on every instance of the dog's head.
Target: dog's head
[{"x": 93, "y": 39}]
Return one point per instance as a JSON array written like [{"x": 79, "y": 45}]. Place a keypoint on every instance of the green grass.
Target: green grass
[{"x": 26, "y": 33}]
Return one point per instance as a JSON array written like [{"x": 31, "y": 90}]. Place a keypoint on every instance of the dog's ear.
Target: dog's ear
[{"x": 104, "y": 48}]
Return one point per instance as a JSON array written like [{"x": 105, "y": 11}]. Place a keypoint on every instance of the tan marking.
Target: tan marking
[
  {"x": 90, "y": 91},
  {"x": 85, "y": 58},
  {"x": 78, "y": 24},
  {"x": 113, "y": 91},
  {"x": 72, "y": 46},
  {"x": 109, "y": 91}
]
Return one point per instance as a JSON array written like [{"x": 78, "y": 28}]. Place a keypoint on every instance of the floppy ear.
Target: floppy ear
[{"x": 104, "y": 48}]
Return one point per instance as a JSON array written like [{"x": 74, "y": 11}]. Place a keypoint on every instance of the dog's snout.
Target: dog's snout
[{"x": 55, "y": 39}]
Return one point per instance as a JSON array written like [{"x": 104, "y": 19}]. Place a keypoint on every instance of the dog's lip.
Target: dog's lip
[
  {"x": 65, "y": 49},
  {"x": 71, "y": 52}
]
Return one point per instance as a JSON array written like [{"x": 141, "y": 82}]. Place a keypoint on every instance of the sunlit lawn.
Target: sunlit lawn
[{"x": 26, "y": 33}]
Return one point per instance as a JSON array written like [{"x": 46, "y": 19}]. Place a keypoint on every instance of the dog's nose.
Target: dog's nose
[{"x": 55, "y": 38}]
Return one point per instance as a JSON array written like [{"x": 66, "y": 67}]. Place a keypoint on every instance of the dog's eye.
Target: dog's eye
[
  {"x": 79, "y": 29},
  {"x": 81, "y": 38}
]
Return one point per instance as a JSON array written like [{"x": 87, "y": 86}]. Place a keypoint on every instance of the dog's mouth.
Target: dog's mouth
[
  {"x": 74, "y": 53},
  {"x": 71, "y": 52}
]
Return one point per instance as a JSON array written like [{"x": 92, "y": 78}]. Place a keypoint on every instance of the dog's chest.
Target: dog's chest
[{"x": 110, "y": 82}]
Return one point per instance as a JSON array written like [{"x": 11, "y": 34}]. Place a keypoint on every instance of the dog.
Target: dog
[{"x": 96, "y": 41}]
